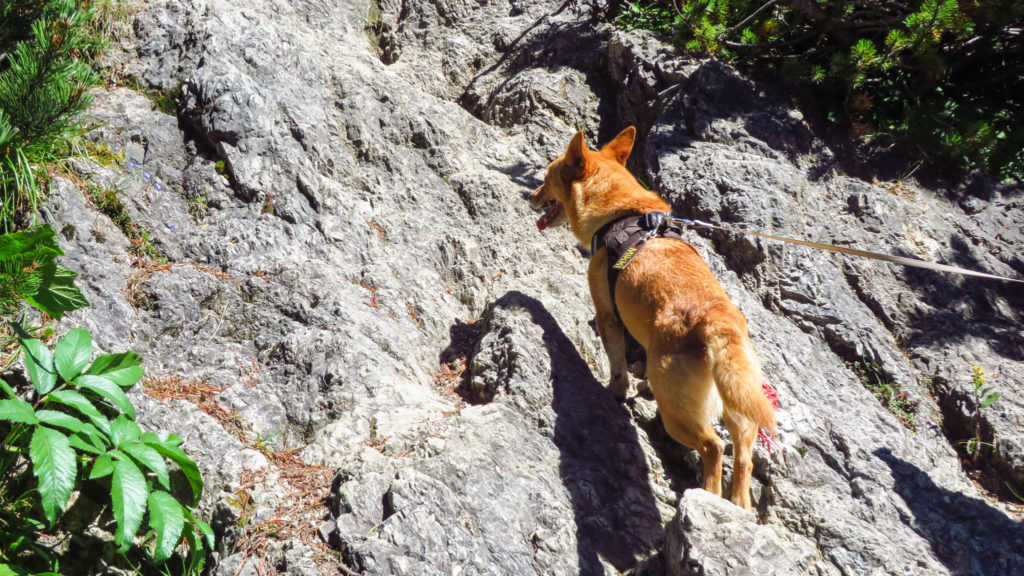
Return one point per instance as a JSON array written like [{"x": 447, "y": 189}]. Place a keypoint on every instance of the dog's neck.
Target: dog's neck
[{"x": 598, "y": 201}]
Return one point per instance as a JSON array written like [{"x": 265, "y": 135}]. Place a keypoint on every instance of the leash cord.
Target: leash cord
[{"x": 903, "y": 260}]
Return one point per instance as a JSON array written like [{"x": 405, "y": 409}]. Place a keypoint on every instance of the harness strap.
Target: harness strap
[{"x": 625, "y": 237}]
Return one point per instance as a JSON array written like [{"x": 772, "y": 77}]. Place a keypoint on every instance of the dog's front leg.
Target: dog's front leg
[
  {"x": 614, "y": 339},
  {"x": 608, "y": 325}
]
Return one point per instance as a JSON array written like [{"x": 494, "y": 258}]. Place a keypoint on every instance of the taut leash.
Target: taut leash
[{"x": 852, "y": 251}]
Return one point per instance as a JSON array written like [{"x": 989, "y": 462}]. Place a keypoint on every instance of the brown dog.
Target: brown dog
[{"x": 700, "y": 363}]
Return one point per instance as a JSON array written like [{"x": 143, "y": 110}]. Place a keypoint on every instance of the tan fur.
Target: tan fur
[{"x": 696, "y": 340}]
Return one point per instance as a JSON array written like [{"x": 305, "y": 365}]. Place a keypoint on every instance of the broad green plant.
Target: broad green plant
[
  {"x": 29, "y": 272},
  {"x": 78, "y": 427}
]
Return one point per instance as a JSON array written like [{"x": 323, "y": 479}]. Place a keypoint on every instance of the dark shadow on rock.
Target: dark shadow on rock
[
  {"x": 602, "y": 464},
  {"x": 961, "y": 306},
  {"x": 717, "y": 91},
  {"x": 464, "y": 338},
  {"x": 524, "y": 38},
  {"x": 528, "y": 176},
  {"x": 967, "y": 535},
  {"x": 551, "y": 44}
]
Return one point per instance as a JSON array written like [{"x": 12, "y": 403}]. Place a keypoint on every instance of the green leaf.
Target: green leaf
[
  {"x": 57, "y": 294},
  {"x": 197, "y": 552},
  {"x": 123, "y": 431},
  {"x": 6, "y": 388},
  {"x": 54, "y": 464},
  {"x": 107, "y": 389},
  {"x": 60, "y": 420},
  {"x": 103, "y": 466},
  {"x": 187, "y": 466},
  {"x": 148, "y": 457},
  {"x": 121, "y": 369},
  {"x": 17, "y": 410},
  {"x": 163, "y": 438},
  {"x": 207, "y": 531},
  {"x": 83, "y": 445},
  {"x": 168, "y": 519},
  {"x": 72, "y": 353},
  {"x": 79, "y": 402},
  {"x": 39, "y": 364},
  {"x": 972, "y": 445},
  {"x": 37, "y": 243},
  {"x": 988, "y": 400},
  {"x": 128, "y": 494},
  {"x": 90, "y": 440},
  {"x": 204, "y": 528}
]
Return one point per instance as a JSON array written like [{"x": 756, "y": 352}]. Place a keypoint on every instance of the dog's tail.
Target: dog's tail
[{"x": 737, "y": 373}]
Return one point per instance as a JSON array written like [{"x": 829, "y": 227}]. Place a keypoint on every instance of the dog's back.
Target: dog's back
[{"x": 673, "y": 305}]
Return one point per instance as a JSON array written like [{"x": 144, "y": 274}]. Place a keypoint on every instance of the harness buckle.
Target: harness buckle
[{"x": 653, "y": 221}]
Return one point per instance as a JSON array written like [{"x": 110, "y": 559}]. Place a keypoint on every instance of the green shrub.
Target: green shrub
[
  {"x": 647, "y": 17},
  {"x": 70, "y": 434},
  {"x": 28, "y": 272},
  {"x": 942, "y": 78},
  {"x": 43, "y": 87},
  {"x": 80, "y": 429}
]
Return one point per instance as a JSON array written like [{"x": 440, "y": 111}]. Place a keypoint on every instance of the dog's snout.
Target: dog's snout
[{"x": 537, "y": 197}]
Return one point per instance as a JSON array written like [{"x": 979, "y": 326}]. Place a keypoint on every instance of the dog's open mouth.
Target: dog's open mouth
[{"x": 551, "y": 212}]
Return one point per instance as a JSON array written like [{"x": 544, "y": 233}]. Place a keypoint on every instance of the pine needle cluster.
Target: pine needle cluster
[
  {"x": 942, "y": 78},
  {"x": 45, "y": 72}
]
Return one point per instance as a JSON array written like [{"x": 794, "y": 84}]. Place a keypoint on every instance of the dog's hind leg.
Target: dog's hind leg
[
  {"x": 707, "y": 443},
  {"x": 743, "y": 432},
  {"x": 684, "y": 389},
  {"x": 738, "y": 380}
]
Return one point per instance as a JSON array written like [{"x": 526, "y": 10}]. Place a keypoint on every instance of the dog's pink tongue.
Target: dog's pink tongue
[{"x": 548, "y": 216}]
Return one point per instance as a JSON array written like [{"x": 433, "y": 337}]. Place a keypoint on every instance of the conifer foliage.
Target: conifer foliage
[
  {"x": 44, "y": 74},
  {"x": 944, "y": 78}
]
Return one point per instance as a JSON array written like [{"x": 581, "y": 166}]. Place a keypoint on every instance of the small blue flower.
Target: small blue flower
[
  {"x": 170, "y": 227},
  {"x": 158, "y": 186}
]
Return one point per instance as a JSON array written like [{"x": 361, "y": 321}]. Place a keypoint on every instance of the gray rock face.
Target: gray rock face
[
  {"x": 352, "y": 267},
  {"x": 550, "y": 466},
  {"x": 711, "y": 537}
]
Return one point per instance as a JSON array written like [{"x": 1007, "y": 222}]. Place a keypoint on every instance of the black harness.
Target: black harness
[{"x": 625, "y": 237}]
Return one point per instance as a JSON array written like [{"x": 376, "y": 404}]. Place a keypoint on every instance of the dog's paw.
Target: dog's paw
[{"x": 619, "y": 386}]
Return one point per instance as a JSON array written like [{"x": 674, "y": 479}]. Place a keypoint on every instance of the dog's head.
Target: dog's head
[{"x": 561, "y": 195}]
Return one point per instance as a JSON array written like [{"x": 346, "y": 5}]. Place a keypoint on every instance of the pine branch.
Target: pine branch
[{"x": 743, "y": 23}]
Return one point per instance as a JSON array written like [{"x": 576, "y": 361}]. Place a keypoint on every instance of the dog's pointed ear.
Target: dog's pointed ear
[
  {"x": 621, "y": 146},
  {"x": 576, "y": 154},
  {"x": 576, "y": 157}
]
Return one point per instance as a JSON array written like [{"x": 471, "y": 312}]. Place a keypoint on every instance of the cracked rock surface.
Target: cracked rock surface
[{"x": 354, "y": 278}]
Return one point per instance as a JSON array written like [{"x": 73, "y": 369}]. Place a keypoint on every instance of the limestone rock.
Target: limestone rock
[
  {"x": 353, "y": 276},
  {"x": 711, "y": 537}
]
